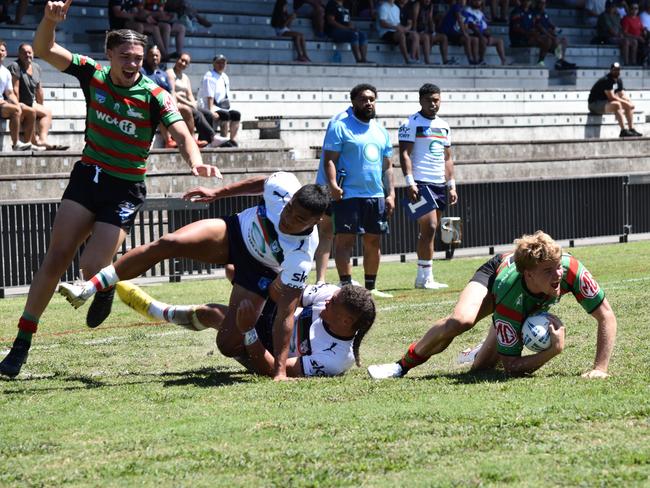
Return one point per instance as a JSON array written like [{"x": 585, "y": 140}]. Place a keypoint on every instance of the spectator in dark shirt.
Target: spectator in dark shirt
[
  {"x": 184, "y": 8},
  {"x": 610, "y": 31},
  {"x": 152, "y": 70},
  {"x": 422, "y": 18},
  {"x": 128, "y": 14},
  {"x": 524, "y": 33},
  {"x": 339, "y": 28},
  {"x": 604, "y": 99},
  {"x": 453, "y": 26},
  {"x": 169, "y": 24},
  {"x": 546, "y": 28},
  {"x": 21, "y": 10},
  {"x": 315, "y": 10},
  {"x": 281, "y": 21}
]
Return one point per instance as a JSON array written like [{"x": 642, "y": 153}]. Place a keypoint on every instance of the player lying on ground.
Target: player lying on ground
[
  {"x": 327, "y": 330},
  {"x": 271, "y": 246},
  {"x": 511, "y": 287}
]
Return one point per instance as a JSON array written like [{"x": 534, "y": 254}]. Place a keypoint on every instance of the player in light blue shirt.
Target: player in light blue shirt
[{"x": 357, "y": 153}]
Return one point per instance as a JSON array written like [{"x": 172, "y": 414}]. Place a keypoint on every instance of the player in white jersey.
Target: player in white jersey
[
  {"x": 428, "y": 167},
  {"x": 328, "y": 326},
  {"x": 271, "y": 246}
]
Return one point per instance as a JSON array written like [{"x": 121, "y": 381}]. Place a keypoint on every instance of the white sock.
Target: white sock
[
  {"x": 183, "y": 315},
  {"x": 106, "y": 278},
  {"x": 424, "y": 269}
]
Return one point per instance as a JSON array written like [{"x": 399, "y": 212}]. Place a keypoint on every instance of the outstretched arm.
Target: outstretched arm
[
  {"x": 287, "y": 299},
  {"x": 251, "y": 186},
  {"x": 190, "y": 151},
  {"x": 44, "y": 45},
  {"x": 607, "y": 326}
]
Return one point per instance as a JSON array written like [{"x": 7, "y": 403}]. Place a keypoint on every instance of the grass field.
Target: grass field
[{"x": 133, "y": 403}]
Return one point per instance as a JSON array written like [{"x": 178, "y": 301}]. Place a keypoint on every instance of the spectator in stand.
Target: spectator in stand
[
  {"x": 610, "y": 31},
  {"x": 364, "y": 9},
  {"x": 169, "y": 24},
  {"x": 152, "y": 70},
  {"x": 633, "y": 30},
  {"x": 497, "y": 15},
  {"x": 10, "y": 107},
  {"x": 391, "y": 30},
  {"x": 547, "y": 29},
  {"x": 645, "y": 21},
  {"x": 21, "y": 10},
  {"x": 124, "y": 14},
  {"x": 315, "y": 10},
  {"x": 26, "y": 77},
  {"x": 593, "y": 9},
  {"x": 524, "y": 33},
  {"x": 604, "y": 99},
  {"x": 478, "y": 27},
  {"x": 201, "y": 119},
  {"x": 214, "y": 95},
  {"x": 182, "y": 8},
  {"x": 453, "y": 26},
  {"x": 339, "y": 28},
  {"x": 412, "y": 37},
  {"x": 422, "y": 18},
  {"x": 281, "y": 21}
]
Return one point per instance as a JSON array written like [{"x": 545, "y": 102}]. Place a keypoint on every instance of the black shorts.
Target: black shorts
[
  {"x": 264, "y": 325},
  {"x": 360, "y": 216},
  {"x": 226, "y": 115},
  {"x": 439, "y": 192},
  {"x": 487, "y": 272},
  {"x": 250, "y": 274},
  {"x": 113, "y": 200}
]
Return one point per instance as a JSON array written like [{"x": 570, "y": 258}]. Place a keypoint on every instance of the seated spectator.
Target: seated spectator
[
  {"x": 315, "y": 10},
  {"x": 26, "y": 77},
  {"x": 183, "y": 8},
  {"x": 547, "y": 29},
  {"x": 633, "y": 30},
  {"x": 214, "y": 95},
  {"x": 168, "y": 23},
  {"x": 200, "y": 118},
  {"x": 524, "y": 33},
  {"x": 21, "y": 10},
  {"x": 364, "y": 9},
  {"x": 478, "y": 27},
  {"x": 152, "y": 70},
  {"x": 593, "y": 9},
  {"x": 128, "y": 14},
  {"x": 10, "y": 107},
  {"x": 453, "y": 26},
  {"x": 390, "y": 28},
  {"x": 645, "y": 20},
  {"x": 422, "y": 18},
  {"x": 497, "y": 15},
  {"x": 604, "y": 99},
  {"x": 339, "y": 28},
  {"x": 610, "y": 31},
  {"x": 281, "y": 21}
]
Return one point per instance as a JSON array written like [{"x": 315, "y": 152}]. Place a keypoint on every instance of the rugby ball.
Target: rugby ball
[{"x": 535, "y": 333}]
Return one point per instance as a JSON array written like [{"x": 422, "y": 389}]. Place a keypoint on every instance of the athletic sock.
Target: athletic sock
[
  {"x": 411, "y": 359},
  {"x": 27, "y": 326},
  {"x": 103, "y": 280},
  {"x": 345, "y": 279},
  {"x": 183, "y": 315},
  {"x": 370, "y": 281},
  {"x": 424, "y": 269}
]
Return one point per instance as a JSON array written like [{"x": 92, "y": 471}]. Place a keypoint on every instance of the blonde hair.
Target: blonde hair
[{"x": 530, "y": 250}]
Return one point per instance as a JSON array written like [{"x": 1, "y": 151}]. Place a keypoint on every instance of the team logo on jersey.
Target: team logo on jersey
[
  {"x": 100, "y": 95},
  {"x": 588, "y": 286},
  {"x": 264, "y": 283},
  {"x": 168, "y": 104},
  {"x": 126, "y": 209},
  {"x": 371, "y": 152},
  {"x": 125, "y": 126},
  {"x": 134, "y": 113},
  {"x": 506, "y": 334}
]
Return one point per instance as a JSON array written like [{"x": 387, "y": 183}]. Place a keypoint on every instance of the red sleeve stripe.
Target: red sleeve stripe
[
  {"x": 572, "y": 272},
  {"x": 115, "y": 154},
  {"x": 103, "y": 108},
  {"x": 110, "y": 167},
  {"x": 509, "y": 313},
  {"x": 117, "y": 136},
  {"x": 128, "y": 101},
  {"x": 156, "y": 91}
]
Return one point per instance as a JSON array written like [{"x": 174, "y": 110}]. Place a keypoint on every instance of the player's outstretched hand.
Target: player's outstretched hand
[
  {"x": 595, "y": 373},
  {"x": 57, "y": 11},
  {"x": 206, "y": 170},
  {"x": 201, "y": 194}
]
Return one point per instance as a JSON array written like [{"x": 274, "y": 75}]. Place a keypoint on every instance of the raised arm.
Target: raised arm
[
  {"x": 44, "y": 45},
  {"x": 251, "y": 186},
  {"x": 605, "y": 340}
]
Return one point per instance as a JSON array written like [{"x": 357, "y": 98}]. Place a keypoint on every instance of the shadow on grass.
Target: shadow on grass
[{"x": 470, "y": 377}]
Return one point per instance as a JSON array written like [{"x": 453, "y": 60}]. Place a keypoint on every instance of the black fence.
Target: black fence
[{"x": 492, "y": 214}]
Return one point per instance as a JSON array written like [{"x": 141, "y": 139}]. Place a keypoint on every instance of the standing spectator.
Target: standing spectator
[
  {"x": 315, "y": 10},
  {"x": 26, "y": 77},
  {"x": 281, "y": 21},
  {"x": 360, "y": 176},
  {"x": 633, "y": 30},
  {"x": 425, "y": 157},
  {"x": 546, "y": 28},
  {"x": 10, "y": 107},
  {"x": 201, "y": 119},
  {"x": 391, "y": 30},
  {"x": 422, "y": 18},
  {"x": 214, "y": 95},
  {"x": 169, "y": 24},
  {"x": 339, "y": 28},
  {"x": 604, "y": 99},
  {"x": 21, "y": 10},
  {"x": 478, "y": 27},
  {"x": 128, "y": 14},
  {"x": 523, "y": 32},
  {"x": 453, "y": 26},
  {"x": 610, "y": 31}
]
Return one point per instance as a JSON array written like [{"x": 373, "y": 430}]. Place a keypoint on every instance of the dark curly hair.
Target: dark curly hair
[{"x": 359, "y": 302}]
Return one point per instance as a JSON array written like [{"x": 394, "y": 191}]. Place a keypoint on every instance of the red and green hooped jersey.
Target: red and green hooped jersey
[
  {"x": 513, "y": 302},
  {"x": 120, "y": 122}
]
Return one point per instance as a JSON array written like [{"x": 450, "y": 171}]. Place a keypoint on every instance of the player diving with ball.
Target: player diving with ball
[{"x": 511, "y": 287}]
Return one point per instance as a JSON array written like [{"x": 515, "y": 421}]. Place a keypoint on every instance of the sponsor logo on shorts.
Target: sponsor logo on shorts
[
  {"x": 126, "y": 210},
  {"x": 506, "y": 334},
  {"x": 125, "y": 126},
  {"x": 588, "y": 286}
]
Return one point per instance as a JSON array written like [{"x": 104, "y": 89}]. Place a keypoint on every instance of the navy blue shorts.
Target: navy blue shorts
[
  {"x": 250, "y": 274},
  {"x": 264, "y": 325},
  {"x": 113, "y": 200},
  {"x": 487, "y": 272},
  {"x": 360, "y": 216},
  {"x": 439, "y": 192}
]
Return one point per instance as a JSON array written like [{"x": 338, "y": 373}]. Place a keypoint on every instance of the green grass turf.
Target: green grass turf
[{"x": 133, "y": 403}]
